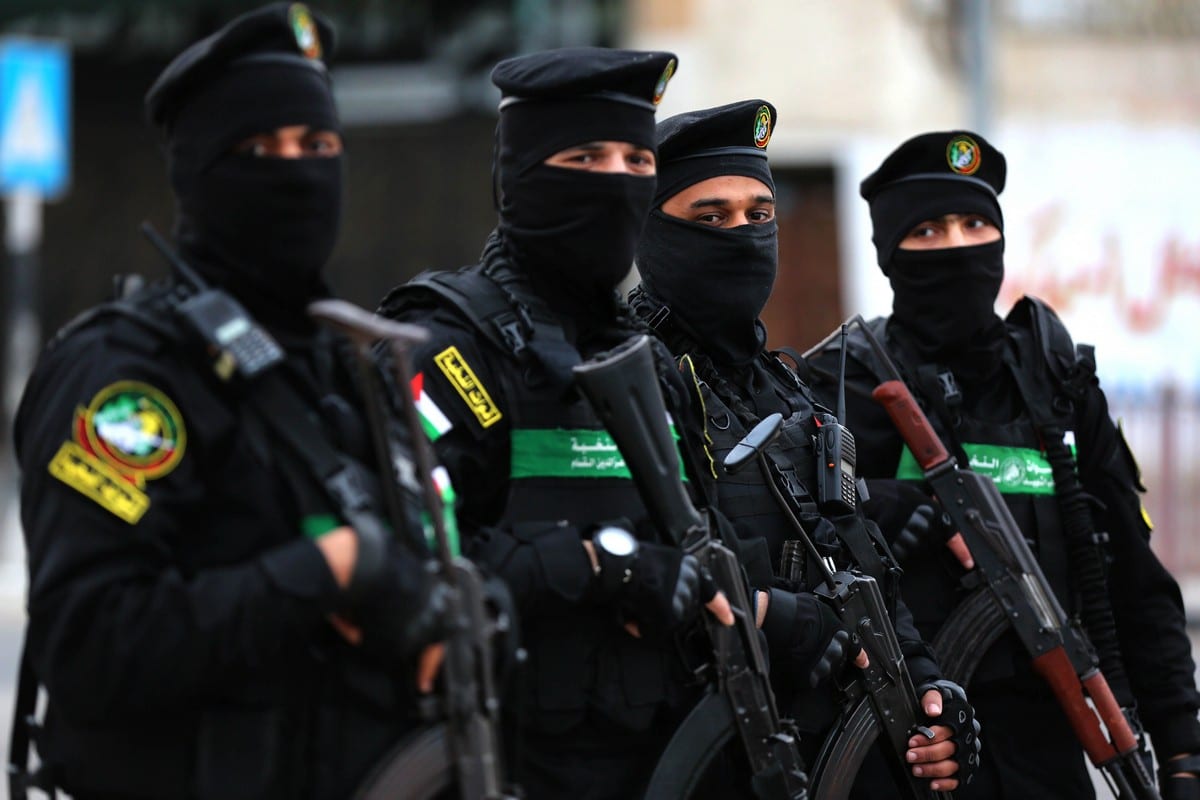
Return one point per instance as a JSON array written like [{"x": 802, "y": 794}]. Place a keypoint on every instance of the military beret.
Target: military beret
[
  {"x": 743, "y": 128},
  {"x": 929, "y": 176},
  {"x": 959, "y": 156},
  {"x": 726, "y": 140},
  {"x": 561, "y": 98},
  {"x": 629, "y": 76},
  {"x": 280, "y": 33}
]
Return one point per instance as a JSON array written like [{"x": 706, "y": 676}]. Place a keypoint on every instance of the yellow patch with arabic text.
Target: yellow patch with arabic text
[
  {"x": 101, "y": 483},
  {"x": 467, "y": 384}
]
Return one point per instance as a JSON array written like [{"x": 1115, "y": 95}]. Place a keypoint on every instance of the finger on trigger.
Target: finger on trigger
[
  {"x": 428, "y": 664},
  {"x": 862, "y": 661},
  {"x": 720, "y": 608},
  {"x": 958, "y": 546}
]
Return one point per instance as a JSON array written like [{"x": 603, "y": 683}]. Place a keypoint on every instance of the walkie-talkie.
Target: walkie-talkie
[
  {"x": 238, "y": 344},
  {"x": 835, "y": 452}
]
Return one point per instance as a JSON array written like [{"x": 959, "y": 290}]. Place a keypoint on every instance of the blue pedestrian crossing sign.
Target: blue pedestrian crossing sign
[{"x": 35, "y": 110}]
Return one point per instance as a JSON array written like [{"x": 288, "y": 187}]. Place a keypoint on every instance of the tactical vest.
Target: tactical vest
[
  {"x": 247, "y": 722},
  {"x": 1011, "y": 453},
  {"x": 564, "y": 469},
  {"x": 744, "y": 496}
]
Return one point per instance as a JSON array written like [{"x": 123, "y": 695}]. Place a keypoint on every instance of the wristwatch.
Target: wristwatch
[{"x": 616, "y": 550}]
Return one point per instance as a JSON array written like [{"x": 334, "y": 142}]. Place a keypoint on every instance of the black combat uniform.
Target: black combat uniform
[
  {"x": 993, "y": 388},
  {"x": 702, "y": 289},
  {"x": 178, "y": 606},
  {"x": 536, "y": 469}
]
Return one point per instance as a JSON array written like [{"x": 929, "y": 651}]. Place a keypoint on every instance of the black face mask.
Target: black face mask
[
  {"x": 717, "y": 279},
  {"x": 575, "y": 232},
  {"x": 264, "y": 227},
  {"x": 946, "y": 298}
]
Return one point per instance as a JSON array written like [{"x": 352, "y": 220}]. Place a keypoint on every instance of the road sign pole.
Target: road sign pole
[{"x": 22, "y": 237}]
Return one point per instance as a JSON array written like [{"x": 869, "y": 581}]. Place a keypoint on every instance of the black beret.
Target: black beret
[
  {"x": 959, "y": 156},
  {"x": 727, "y": 140},
  {"x": 929, "y": 176},
  {"x": 742, "y": 128},
  {"x": 283, "y": 33},
  {"x": 629, "y": 76}
]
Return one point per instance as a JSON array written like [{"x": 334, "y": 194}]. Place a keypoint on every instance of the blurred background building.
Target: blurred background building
[{"x": 1096, "y": 104}]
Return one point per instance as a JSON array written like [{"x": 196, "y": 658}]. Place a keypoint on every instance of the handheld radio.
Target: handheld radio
[
  {"x": 237, "y": 344},
  {"x": 836, "y": 458}
]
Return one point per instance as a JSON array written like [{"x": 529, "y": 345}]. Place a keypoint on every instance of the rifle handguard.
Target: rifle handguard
[{"x": 912, "y": 423}]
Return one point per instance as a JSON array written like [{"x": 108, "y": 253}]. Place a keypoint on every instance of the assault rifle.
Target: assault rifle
[
  {"x": 622, "y": 387},
  {"x": 883, "y": 702},
  {"x": 1061, "y": 651},
  {"x": 469, "y": 704}
]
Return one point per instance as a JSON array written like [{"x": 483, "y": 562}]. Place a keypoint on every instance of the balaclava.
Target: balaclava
[
  {"x": 717, "y": 280},
  {"x": 574, "y": 232},
  {"x": 261, "y": 227},
  {"x": 944, "y": 298}
]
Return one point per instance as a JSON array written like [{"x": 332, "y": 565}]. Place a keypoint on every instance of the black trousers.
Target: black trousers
[
  {"x": 1029, "y": 749},
  {"x": 595, "y": 760}
]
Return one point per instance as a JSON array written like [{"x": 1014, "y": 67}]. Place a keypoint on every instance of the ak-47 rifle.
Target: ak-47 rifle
[
  {"x": 466, "y": 750},
  {"x": 1061, "y": 651},
  {"x": 882, "y": 701},
  {"x": 622, "y": 387}
]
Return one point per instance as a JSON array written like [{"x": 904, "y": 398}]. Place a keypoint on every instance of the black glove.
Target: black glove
[
  {"x": 665, "y": 590},
  {"x": 959, "y": 716},
  {"x": 405, "y": 609},
  {"x": 925, "y": 527},
  {"x": 1176, "y": 778},
  {"x": 809, "y": 636}
]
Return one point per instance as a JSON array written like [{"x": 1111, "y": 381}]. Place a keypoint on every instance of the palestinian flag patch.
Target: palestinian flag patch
[{"x": 433, "y": 420}]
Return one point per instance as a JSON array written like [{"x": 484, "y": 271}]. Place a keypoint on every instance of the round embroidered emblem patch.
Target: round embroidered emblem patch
[
  {"x": 962, "y": 154},
  {"x": 305, "y": 30},
  {"x": 136, "y": 428},
  {"x": 762, "y": 127},
  {"x": 660, "y": 88}
]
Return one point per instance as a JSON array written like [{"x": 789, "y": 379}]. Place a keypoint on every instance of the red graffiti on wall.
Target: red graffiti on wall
[{"x": 1176, "y": 266}]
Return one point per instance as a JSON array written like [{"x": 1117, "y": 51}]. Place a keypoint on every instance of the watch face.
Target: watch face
[{"x": 616, "y": 541}]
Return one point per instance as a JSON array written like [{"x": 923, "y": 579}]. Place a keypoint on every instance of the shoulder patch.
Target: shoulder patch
[
  {"x": 99, "y": 482},
  {"x": 456, "y": 369},
  {"x": 435, "y": 423},
  {"x": 129, "y": 433},
  {"x": 133, "y": 427}
]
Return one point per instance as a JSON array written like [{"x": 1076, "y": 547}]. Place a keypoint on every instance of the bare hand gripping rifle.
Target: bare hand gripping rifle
[
  {"x": 622, "y": 387},
  {"x": 464, "y": 750},
  {"x": 1016, "y": 591},
  {"x": 882, "y": 700}
]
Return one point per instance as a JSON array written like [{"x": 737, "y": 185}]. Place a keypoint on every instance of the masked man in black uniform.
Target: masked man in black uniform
[
  {"x": 539, "y": 476},
  {"x": 707, "y": 260},
  {"x": 1008, "y": 389},
  {"x": 209, "y": 620}
]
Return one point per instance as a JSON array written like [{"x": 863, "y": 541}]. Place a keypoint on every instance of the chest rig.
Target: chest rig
[
  {"x": 563, "y": 465},
  {"x": 746, "y": 497},
  {"x": 564, "y": 469},
  {"x": 1048, "y": 375}
]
